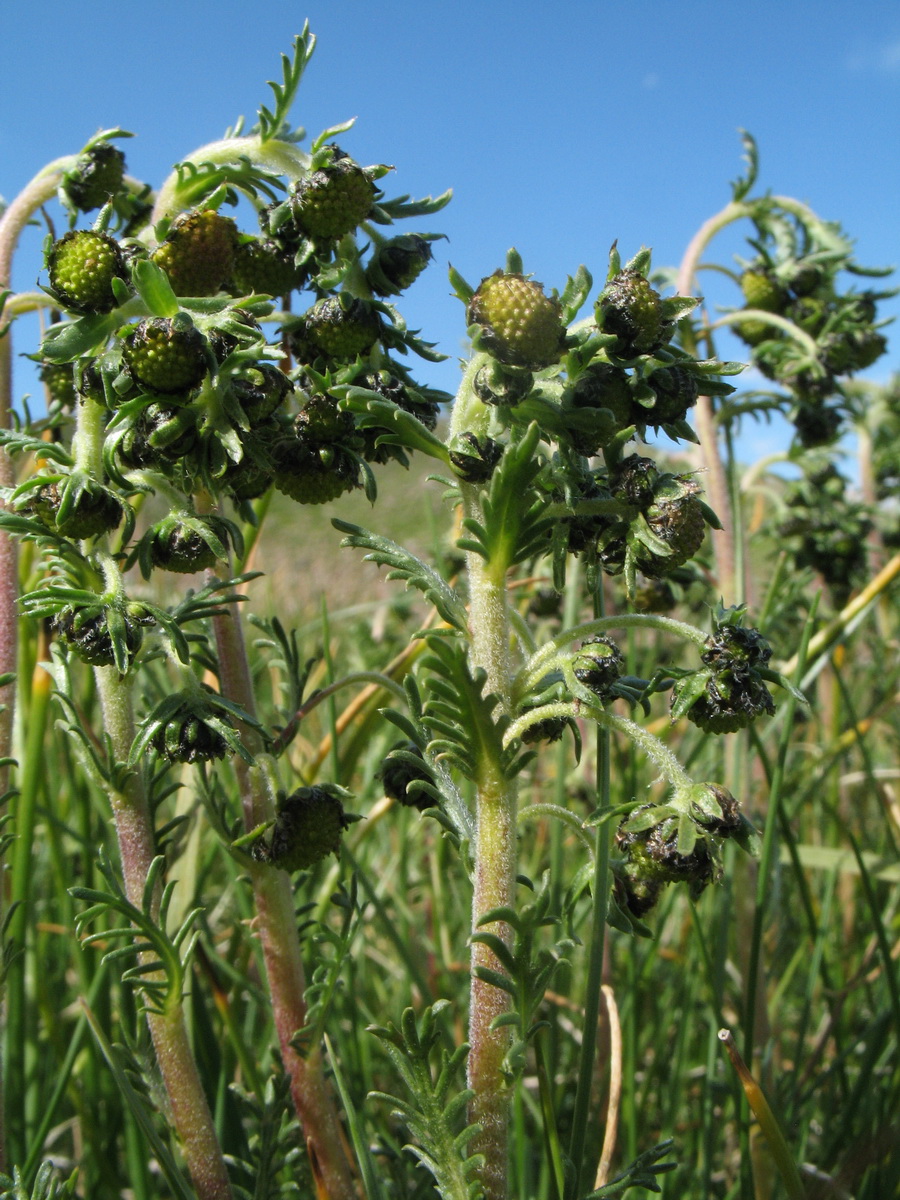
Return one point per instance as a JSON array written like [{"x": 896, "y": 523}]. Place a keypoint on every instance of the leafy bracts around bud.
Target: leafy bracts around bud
[
  {"x": 309, "y": 826},
  {"x": 191, "y": 726},
  {"x": 599, "y": 665},
  {"x": 678, "y": 842},
  {"x": 95, "y": 178},
  {"x": 648, "y": 521},
  {"x": 82, "y": 267},
  {"x": 73, "y": 506},
  {"x": 404, "y": 766},
  {"x": 339, "y": 327},
  {"x": 59, "y": 380},
  {"x": 717, "y": 812},
  {"x": 630, "y": 308},
  {"x": 186, "y": 543},
  {"x": 329, "y": 202},
  {"x": 263, "y": 267},
  {"x": 157, "y": 437},
  {"x": 166, "y": 355},
  {"x": 500, "y": 386},
  {"x": 633, "y": 311},
  {"x": 730, "y": 693},
  {"x": 262, "y": 391},
  {"x": 103, "y": 635},
  {"x": 676, "y": 389},
  {"x": 398, "y": 263},
  {"x": 654, "y": 854},
  {"x": 474, "y": 458},
  {"x": 519, "y": 325},
  {"x": 603, "y": 386},
  {"x": 678, "y": 519},
  {"x": 317, "y": 462}
]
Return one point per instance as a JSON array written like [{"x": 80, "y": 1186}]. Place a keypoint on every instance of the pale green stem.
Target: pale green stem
[
  {"x": 276, "y": 925},
  {"x": 26, "y": 302},
  {"x": 555, "y": 812},
  {"x": 545, "y": 659},
  {"x": 743, "y": 315},
  {"x": 658, "y": 752},
  {"x": 16, "y": 217},
  {"x": 494, "y": 876},
  {"x": 753, "y": 473},
  {"x": 704, "y": 417},
  {"x": 87, "y": 444},
  {"x": 281, "y": 157},
  {"x": 469, "y": 414}
]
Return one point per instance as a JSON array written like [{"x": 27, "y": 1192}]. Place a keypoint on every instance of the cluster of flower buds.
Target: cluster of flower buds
[
  {"x": 646, "y": 520},
  {"x": 729, "y": 692},
  {"x": 588, "y": 385},
  {"x": 826, "y": 531},
  {"x": 591, "y": 387},
  {"x": 193, "y": 389},
  {"x": 165, "y": 360},
  {"x": 795, "y": 278},
  {"x": 659, "y": 845}
]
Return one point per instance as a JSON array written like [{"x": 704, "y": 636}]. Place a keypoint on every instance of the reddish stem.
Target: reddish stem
[{"x": 277, "y": 925}]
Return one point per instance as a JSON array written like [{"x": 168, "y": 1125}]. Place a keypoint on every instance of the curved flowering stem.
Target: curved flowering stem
[
  {"x": 658, "y": 752},
  {"x": 704, "y": 415},
  {"x": 13, "y": 221},
  {"x": 249, "y": 152},
  {"x": 552, "y": 653}
]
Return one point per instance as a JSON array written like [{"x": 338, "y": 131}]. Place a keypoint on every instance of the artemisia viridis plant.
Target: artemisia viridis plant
[
  {"x": 183, "y": 388},
  {"x": 548, "y": 471},
  {"x": 552, "y": 479}
]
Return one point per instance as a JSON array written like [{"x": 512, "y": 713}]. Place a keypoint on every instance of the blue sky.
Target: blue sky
[{"x": 560, "y": 127}]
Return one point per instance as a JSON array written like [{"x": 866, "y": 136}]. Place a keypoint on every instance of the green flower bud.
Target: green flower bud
[
  {"x": 308, "y": 827},
  {"x": 405, "y": 765},
  {"x": 599, "y": 664},
  {"x": 82, "y": 267},
  {"x": 520, "y": 325}
]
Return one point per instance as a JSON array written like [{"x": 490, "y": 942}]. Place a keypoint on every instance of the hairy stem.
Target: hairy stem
[
  {"x": 14, "y": 220},
  {"x": 190, "y": 1113},
  {"x": 704, "y": 414},
  {"x": 280, "y": 157},
  {"x": 277, "y": 926},
  {"x": 41, "y": 189},
  {"x": 494, "y": 882},
  {"x": 191, "y": 1116}
]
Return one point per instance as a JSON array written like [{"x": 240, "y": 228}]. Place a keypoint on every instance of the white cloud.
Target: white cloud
[
  {"x": 880, "y": 60},
  {"x": 888, "y": 57}
]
